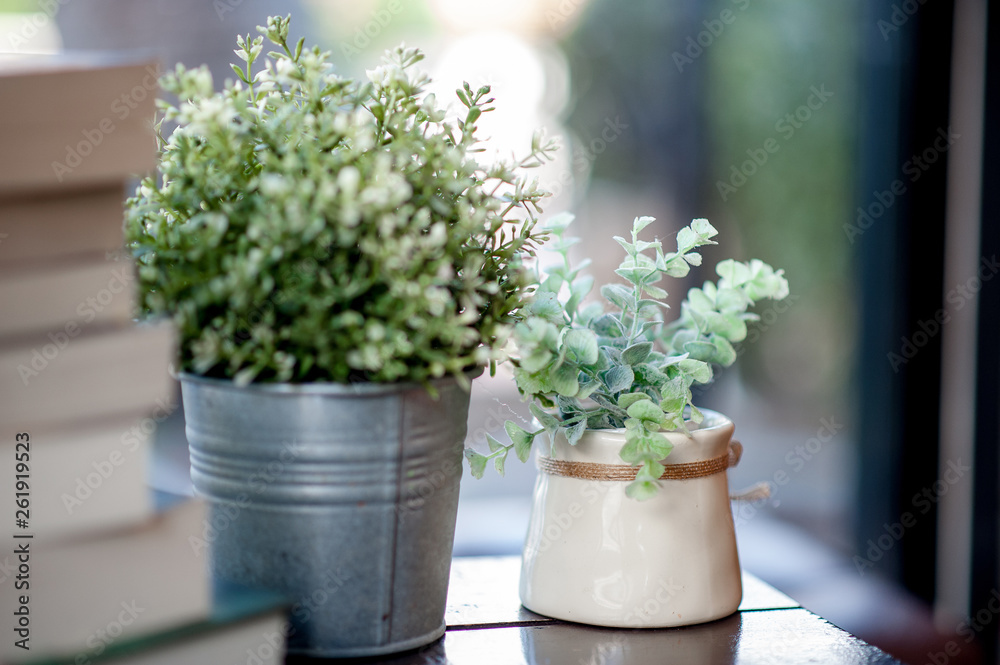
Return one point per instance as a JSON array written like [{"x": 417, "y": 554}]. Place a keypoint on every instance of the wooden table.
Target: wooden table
[{"x": 487, "y": 626}]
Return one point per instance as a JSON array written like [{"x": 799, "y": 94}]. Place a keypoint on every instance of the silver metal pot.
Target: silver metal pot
[{"x": 344, "y": 497}]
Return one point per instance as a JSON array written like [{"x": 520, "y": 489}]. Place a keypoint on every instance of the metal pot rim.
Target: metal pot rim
[{"x": 359, "y": 388}]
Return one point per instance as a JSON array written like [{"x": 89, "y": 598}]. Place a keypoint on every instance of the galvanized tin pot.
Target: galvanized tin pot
[{"x": 342, "y": 496}]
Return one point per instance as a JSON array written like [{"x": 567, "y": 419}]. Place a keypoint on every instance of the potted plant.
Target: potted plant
[
  {"x": 339, "y": 266},
  {"x": 631, "y": 524}
]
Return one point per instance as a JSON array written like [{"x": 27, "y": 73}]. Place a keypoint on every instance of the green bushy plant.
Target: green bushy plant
[
  {"x": 305, "y": 227},
  {"x": 583, "y": 367}
]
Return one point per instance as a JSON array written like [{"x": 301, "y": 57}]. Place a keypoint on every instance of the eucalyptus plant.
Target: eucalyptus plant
[
  {"x": 303, "y": 226},
  {"x": 584, "y": 366}
]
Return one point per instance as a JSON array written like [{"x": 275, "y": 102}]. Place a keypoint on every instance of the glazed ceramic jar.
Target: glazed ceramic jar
[{"x": 595, "y": 556}]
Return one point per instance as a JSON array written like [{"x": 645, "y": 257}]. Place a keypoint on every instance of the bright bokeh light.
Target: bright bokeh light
[
  {"x": 529, "y": 83},
  {"x": 523, "y": 17},
  {"x": 514, "y": 72}
]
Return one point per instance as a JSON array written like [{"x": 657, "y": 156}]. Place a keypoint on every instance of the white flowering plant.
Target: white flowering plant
[
  {"x": 306, "y": 227},
  {"x": 586, "y": 365}
]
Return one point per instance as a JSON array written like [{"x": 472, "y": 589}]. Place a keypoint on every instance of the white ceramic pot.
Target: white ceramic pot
[{"x": 594, "y": 556}]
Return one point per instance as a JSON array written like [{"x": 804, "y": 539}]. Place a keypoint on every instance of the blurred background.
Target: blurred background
[{"x": 846, "y": 142}]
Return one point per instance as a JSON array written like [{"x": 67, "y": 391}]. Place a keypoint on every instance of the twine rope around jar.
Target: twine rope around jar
[
  {"x": 627, "y": 473},
  {"x": 685, "y": 471}
]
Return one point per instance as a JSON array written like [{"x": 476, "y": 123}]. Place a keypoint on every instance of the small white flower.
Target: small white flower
[
  {"x": 378, "y": 76},
  {"x": 375, "y": 196},
  {"x": 348, "y": 179},
  {"x": 201, "y": 80},
  {"x": 203, "y": 117},
  {"x": 273, "y": 184},
  {"x": 437, "y": 299},
  {"x": 284, "y": 71},
  {"x": 438, "y": 235}
]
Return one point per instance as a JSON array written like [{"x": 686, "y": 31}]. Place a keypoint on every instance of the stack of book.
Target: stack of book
[{"x": 92, "y": 567}]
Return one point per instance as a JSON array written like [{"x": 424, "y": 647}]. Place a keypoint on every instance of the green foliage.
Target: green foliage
[
  {"x": 307, "y": 227},
  {"x": 584, "y": 367},
  {"x": 18, "y": 6}
]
